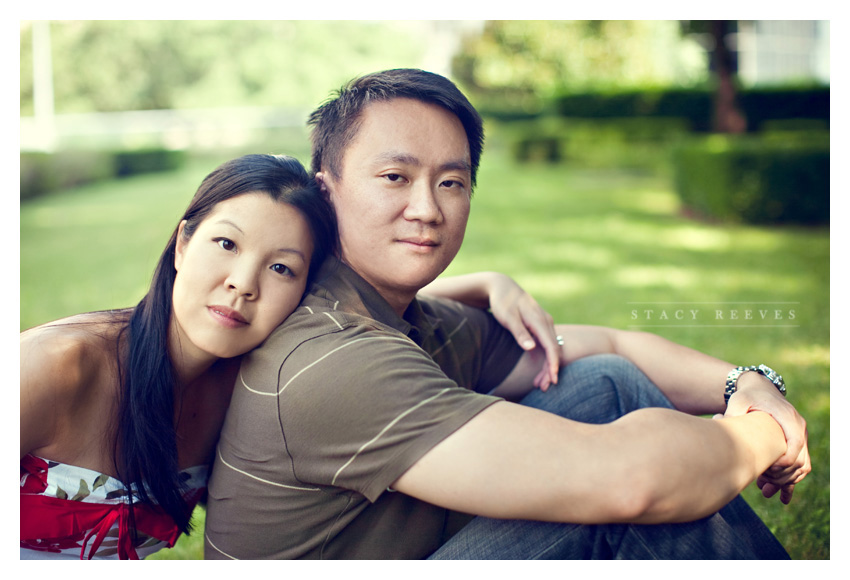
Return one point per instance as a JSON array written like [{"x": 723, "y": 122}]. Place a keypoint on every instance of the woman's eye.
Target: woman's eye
[
  {"x": 226, "y": 244},
  {"x": 281, "y": 269}
]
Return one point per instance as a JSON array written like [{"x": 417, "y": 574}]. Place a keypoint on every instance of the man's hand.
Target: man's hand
[{"x": 756, "y": 393}]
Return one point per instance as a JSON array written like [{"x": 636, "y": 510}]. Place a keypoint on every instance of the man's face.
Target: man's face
[{"x": 402, "y": 200}]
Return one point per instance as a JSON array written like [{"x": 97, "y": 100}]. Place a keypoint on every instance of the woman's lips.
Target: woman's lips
[{"x": 227, "y": 316}]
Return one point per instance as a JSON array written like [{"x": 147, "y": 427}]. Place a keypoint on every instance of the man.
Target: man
[{"x": 371, "y": 421}]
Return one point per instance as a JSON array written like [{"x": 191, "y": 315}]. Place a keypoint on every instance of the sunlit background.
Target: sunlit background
[{"x": 633, "y": 170}]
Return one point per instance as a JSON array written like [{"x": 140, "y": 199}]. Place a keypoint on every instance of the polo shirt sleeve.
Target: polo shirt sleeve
[
  {"x": 366, "y": 408},
  {"x": 499, "y": 350},
  {"x": 487, "y": 352}
]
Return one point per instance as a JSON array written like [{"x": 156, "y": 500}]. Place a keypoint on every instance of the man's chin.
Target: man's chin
[
  {"x": 412, "y": 283},
  {"x": 421, "y": 278},
  {"x": 408, "y": 277}
]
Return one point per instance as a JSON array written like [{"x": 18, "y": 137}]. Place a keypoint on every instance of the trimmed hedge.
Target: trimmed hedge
[
  {"x": 691, "y": 104},
  {"x": 771, "y": 104},
  {"x": 147, "y": 161},
  {"x": 43, "y": 172},
  {"x": 695, "y": 105},
  {"x": 779, "y": 178},
  {"x": 636, "y": 143}
]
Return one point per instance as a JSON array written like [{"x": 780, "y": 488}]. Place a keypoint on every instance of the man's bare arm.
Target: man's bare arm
[
  {"x": 653, "y": 465},
  {"x": 694, "y": 383}
]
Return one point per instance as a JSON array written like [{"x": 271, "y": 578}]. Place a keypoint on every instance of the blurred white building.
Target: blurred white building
[{"x": 782, "y": 51}]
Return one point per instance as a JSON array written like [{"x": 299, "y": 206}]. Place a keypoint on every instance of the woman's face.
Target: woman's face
[{"x": 240, "y": 275}]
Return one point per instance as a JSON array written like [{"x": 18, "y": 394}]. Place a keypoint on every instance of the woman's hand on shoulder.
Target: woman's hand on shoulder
[
  {"x": 514, "y": 308},
  {"x": 530, "y": 324}
]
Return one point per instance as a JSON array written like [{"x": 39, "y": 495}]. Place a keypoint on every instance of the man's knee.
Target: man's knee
[
  {"x": 598, "y": 389},
  {"x": 597, "y": 367},
  {"x": 609, "y": 372}
]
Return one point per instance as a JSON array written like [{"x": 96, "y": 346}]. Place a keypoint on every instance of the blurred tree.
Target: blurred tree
[
  {"x": 526, "y": 61},
  {"x": 728, "y": 117},
  {"x": 136, "y": 65},
  {"x": 26, "y": 86}
]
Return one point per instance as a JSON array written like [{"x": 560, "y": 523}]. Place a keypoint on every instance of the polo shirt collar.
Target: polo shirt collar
[{"x": 356, "y": 295}]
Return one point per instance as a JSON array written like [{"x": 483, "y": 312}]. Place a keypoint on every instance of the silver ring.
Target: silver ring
[{"x": 560, "y": 340}]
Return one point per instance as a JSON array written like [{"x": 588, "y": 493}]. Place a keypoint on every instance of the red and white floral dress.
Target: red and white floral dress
[{"x": 73, "y": 512}]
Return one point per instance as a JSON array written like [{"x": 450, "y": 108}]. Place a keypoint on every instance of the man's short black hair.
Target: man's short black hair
[{"x": 336, "y": 122}]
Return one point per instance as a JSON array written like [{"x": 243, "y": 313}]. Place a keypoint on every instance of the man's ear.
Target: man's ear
[
  {"x": 180, "y": 246},
  {"x": 325, "y": 182}
]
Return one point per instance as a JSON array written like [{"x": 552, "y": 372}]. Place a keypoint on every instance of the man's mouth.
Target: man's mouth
[{"x": 421, "y": 243}]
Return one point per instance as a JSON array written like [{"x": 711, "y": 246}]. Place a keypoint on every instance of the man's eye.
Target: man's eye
[
  {"x": 281, "y": 269},
  {"x": 394, "y": 177},
  {"x": 226, "y": 244}
]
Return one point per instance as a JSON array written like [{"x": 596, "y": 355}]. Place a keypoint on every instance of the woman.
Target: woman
[{"x": 121, "y": 410}]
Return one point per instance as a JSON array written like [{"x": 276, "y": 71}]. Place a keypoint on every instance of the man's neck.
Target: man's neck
[
  {"x": 400, "y": 304},
  {"x": 399, "y": 300}
]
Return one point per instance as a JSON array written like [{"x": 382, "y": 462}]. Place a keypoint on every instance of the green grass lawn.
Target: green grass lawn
[{"x": 594, "y": 247}]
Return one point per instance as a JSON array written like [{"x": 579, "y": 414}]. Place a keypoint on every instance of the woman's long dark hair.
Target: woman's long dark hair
[{"x": 146, "y": 449}]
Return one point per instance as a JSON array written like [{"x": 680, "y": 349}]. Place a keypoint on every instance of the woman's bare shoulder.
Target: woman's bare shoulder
[
  {"x": 71, "y": 351},
  {"x": 69, "y": 380}
]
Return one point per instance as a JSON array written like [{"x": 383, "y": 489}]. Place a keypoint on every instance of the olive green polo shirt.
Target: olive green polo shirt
[{"x": 336, "y": 405}]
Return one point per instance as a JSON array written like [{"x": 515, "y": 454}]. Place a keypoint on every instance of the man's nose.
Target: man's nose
[{"x": 423, "y": 205}]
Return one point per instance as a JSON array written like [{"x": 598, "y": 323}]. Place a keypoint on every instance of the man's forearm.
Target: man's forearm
[
  {"x": 693, "y": 381},
  {"x": 652, "y": 465},
  {"x": 695, "y": 466}
]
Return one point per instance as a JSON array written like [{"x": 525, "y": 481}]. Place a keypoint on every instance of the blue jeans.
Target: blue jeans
[{"x": 599, "y": 389}]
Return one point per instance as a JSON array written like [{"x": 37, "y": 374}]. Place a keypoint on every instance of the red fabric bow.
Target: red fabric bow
[
  {"x": 44, "y": 519},
  {"x": 51, "y": 523},
  {"x": 33, "y": 474}
]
